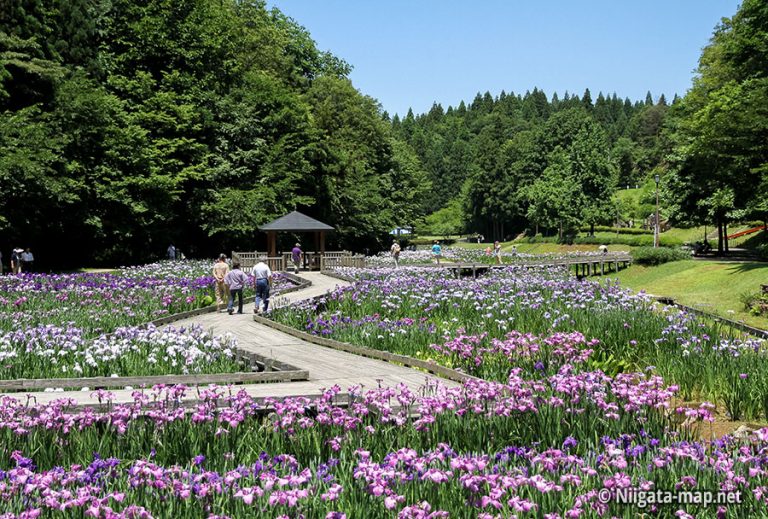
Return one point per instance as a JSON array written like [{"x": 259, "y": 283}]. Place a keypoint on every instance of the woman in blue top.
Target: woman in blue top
[{"x": 437, "y": 251}]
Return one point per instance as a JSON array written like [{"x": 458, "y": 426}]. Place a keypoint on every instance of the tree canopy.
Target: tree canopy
[
  {"x": 719, "y": 168},
  {"x": 127, "y": 125}
]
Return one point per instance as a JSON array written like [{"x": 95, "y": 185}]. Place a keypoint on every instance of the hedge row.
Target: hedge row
[
  {"x": 620, "y": 230},
  {"x": 656, "y": 256},
  {"x": 633, "y": 241}
]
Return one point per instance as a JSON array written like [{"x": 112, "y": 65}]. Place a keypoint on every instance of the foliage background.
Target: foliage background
[{"x": 126, "y": 125}]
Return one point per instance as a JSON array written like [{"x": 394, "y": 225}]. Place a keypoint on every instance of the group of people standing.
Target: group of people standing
[
  {"x": 22, "y": 260},
  {"x": 229, "y": 285},
  {"x": 173, "y": 253}
]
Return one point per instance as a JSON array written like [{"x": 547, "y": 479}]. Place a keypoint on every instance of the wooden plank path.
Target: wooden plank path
[{"x": 327, "y": 367}]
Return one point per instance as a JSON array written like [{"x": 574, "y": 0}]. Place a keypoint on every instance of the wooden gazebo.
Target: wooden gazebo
[{"x": 295, "y": 222}]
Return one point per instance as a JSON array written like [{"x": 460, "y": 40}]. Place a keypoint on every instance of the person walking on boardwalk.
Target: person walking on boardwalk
[
  {"x": 236, "y": 280},
  {"x": 497, "y": 252},
  {"x": 263, "y": 276},
  {"x": 28, "y": 261},
  {"x": 395, "y": 251},
  {"x": 296, "y": 255},
  {"x": 171, "y": 252},
  {"x": 437, "y": 251},
  {"x": 16, "y": 260},
  {"x": 220, "y": 270}
]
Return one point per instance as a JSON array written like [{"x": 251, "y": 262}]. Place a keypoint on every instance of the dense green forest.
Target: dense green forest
[
  {"x": 512, "y": 162},
  {"x": 501, "y": 165},
  {"x": 126, "y": 125}
]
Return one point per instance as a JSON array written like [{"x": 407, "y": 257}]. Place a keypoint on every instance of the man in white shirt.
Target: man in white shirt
[
  {"x": 263, "y": 276},
  {"x": 28, "y": 260}
]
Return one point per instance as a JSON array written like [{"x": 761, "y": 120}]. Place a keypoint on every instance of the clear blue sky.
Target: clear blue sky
[{"x": 411, "y": 53}]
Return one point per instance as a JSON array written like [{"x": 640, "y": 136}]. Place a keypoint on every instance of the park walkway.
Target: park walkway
[{"x": 327, "y": 367}]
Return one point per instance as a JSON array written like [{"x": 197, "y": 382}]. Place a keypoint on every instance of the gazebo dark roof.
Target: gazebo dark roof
[{"x": 296, "y": 221}]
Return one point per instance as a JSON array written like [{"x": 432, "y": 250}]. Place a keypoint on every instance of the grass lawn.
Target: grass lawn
[
  {"x": 694, "y": 234},
  {"x": 691, "y": 234},
  {"x": 708, "y": 285},
  {"x": 544, "y": 248},
  {"x": 628, "y": 194}
]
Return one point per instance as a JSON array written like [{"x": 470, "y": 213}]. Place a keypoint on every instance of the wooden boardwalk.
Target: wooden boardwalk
[
  {"x": 327, "y": 367},
  {"x": 584, "y": 264}
]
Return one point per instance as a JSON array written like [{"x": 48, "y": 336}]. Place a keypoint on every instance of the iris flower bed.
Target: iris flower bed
[
  {"x": 519, "y": 317},
  {"x": 104, "y": 301},
  {"x": 83, "y": 325},
  {"x": 54, "y": 352},
  {"x": 478, "y": 256},
  {"x": 522, "y": 448},
  {"x": 571, "y": 412}
]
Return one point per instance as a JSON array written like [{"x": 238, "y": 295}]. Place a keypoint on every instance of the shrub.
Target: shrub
[
  {"x": 657, "y": 256},
  {"x": 620, "y": 230},
  {"x": 429, "y": 241},
  {"x": 756, "y": 303},
  {"x": 641, "y": 240},
  {"x": 539, "y": 238}
]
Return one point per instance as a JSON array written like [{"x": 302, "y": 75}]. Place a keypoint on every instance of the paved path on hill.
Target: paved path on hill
[{"x": 326, "y": 366}]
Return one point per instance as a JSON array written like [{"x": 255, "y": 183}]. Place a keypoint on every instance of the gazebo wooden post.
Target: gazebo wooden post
[
  {"x": 322, "y": 241},
  {"x": 271, "y": 244}
]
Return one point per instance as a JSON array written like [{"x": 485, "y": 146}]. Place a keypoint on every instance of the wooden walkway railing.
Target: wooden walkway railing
[
  {"x": 589, "y": 265},
  {"x": 329, "y": 262},
  {"x": 310, "y": 260},
  {"x": 248, "y": 259}
]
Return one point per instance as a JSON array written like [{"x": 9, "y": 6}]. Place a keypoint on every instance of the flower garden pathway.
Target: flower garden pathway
[{"x": 327, "y": 367}]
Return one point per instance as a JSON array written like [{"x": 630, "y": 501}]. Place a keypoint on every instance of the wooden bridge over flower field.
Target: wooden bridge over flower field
[{"x": 583, "y": 265}]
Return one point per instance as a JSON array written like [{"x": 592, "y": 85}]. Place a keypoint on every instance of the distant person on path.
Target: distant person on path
[
  {"x": 16, "y": 260},
  {"x": 497, "y": 252},
  {"x": 220, "y": 270},
  {"x": 514, "y": 250},
  {"x": 437, "y": 251},
  {"x": 236, "y": 280},
  {"x": 395, "y": 250},
  {"x": 296, "y": 255},
  {"x": 263, "y": 276},
  {"x": 487, "y": 251},
  {"x": 171, "y": 253},
  {"x": 28, "y": 261},
  {"x": 603, "y": 249}
]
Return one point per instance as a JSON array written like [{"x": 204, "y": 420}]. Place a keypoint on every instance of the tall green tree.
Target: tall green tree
[{"x": 720, "y": 155}]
